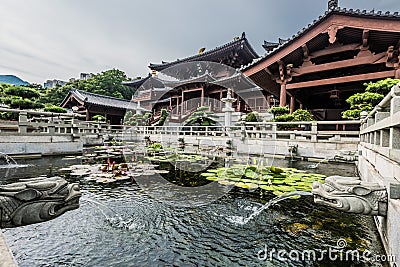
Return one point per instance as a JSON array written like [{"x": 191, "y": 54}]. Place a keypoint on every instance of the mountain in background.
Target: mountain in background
[{"x": 12, "y": 79}]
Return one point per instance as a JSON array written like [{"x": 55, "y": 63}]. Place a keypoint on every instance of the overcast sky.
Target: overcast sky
[{"x": 58, "y": 39}]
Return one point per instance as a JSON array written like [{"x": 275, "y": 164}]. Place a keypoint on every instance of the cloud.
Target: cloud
[{"x": 60, "y": 38}]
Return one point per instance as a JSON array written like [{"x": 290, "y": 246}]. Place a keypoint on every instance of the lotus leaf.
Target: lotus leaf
[
  {"x": 224, "y": 182},
  {"x": 207, "y": 174}
]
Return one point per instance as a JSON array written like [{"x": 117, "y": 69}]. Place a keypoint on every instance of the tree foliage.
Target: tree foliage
[
  {"x": 366, "y": 101},
  {"x": 137, "y": 119},
  {"x": 298, "y": 115},
  {"x": 163, "y": 117},
  {"x": 55, "y": 109},
  {"x": 277, "y": 111},
  {"x": 108, "y": 83},
  {"x": 21, "y": 97},
  {"x": 302, "y": 115},
  {"x": 382, "y": 87},
  {"x": 253, "y": 117},
  {"x": 201, "y": 117}
]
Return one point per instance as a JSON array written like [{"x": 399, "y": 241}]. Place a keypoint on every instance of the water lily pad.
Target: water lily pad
[
  {"x": 224, "y": 182},
  {"x": 278, "y": 193},
  {"x": 212, "y": 178},
  {"x": 276, "y": 169},
  {"x": 250, "y": 173},
  {"x": 207, "y": 174},
  {"x": 267, "y": 187}
]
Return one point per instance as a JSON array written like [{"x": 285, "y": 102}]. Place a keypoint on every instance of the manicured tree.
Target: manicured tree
[
  {"x": 201, "y": 117},
  {"x": 163, "y": 117},
  {"x": 21, "y": 97},
  {"x": 55, "y": 109},
  {"x": 302, "y": 115},
  {"x": 366, "y": 101},
  {"x": 253, "y": 117}
]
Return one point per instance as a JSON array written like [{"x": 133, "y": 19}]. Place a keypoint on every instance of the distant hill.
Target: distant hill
[{"x": 12, "y": 79}]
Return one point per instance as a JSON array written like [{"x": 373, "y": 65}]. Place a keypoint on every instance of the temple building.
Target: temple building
[
  {"x": 204, "y": 89},
  {"x": 329, "y": 60},
  {"x": 89, "y": 104}
]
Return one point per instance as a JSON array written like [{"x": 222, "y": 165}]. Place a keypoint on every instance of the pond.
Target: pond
[{"x": 121, "y": 224}]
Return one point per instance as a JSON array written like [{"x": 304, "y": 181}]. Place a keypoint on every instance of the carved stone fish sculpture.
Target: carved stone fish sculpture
[
  {"x": 36, "y": 200},
  {"x": 350, "y": 194}
]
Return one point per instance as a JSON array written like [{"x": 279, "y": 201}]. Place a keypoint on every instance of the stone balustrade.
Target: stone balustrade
[
  {"x": 380, "y": 130},
  {"x": 379, "y": 162},
  {"x": 315, "y": 131}
]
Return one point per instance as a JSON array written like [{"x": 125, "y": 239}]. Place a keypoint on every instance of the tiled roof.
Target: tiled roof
[
  {"x": 211, "y": 54},
  {"x": 341, "y": 11},
  {"x": 136, "y": 83},
  {"x": 101, "y": 100}
]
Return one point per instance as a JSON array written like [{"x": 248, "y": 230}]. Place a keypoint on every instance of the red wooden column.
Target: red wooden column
[
  {"x": 268, "y": 101},
  {"x": 282, "y": 98},
  {"x": 202, "y": 97},
  {"x": 220, "y": 101},
  {"x": 183, "y": 98},
  {"x": 292, "y": 104}
]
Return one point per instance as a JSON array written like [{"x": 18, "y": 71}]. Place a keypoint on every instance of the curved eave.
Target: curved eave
[
  {"x": 323, "y": 22},
  {"x": 211, "y": 54}
]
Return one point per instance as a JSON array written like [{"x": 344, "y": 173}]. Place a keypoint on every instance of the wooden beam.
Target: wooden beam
[
  {"x": 374, "y": 59},
  {"x": 334, "y": 49},
  {"x": 345, "y": 79},
  {"x": 376, "y": 24}
]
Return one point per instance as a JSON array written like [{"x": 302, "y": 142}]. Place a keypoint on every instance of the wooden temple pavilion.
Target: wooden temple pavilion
[
  {"x": 330, "y": 59},
  {"x": 89, "y": 104},
  {"x": 197, "y": 90}
]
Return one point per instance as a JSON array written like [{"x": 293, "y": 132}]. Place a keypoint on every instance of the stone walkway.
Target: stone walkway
[{"x": 6, "y": 258}]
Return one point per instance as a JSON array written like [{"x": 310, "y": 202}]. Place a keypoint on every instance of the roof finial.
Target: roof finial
[{"x": 332, "y": 4}]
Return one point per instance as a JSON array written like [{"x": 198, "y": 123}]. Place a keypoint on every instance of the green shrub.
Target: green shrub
[
  {"x": 55, "y": 109},
  {"x": 302, "y": 115},
  {"x": 277, "y": 111},
  {"x": 364, "y": 98},
  {"x": 284, "y": 118},
  {"x": 163, "y": 117},
  {"x": 381, "y": 87},
  {"x": 23, "y": 92},
  {"x": 22, "y": 103},
  {"x": 99, "y": 118},
  {"x": 253, "y": 117}
]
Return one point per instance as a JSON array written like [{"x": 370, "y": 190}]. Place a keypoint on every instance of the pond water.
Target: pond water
[{"x": 119, "y": 224}]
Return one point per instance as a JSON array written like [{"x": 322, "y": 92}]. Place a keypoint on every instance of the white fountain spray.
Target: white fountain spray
[{"x": 243, "y": 221}]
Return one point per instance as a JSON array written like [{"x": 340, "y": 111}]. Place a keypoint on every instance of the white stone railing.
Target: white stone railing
[
  {"x": 47, "y": 123},
  {"x": 315, "y": 131},
  {"x": 380, "y": 130}
]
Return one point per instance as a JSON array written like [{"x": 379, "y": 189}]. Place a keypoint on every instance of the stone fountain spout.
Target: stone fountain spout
[
  {"x": 36, "y": 200},
  {"x": 350, "y": 194}
]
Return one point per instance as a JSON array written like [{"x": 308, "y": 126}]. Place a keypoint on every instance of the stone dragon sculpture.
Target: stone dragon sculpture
[
  {"x": 350, "y": 194},
  {"x": 36, "y": 200}
]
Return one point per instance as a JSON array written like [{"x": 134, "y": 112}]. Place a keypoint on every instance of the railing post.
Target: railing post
[
  {"x": 243, "y": 130},
  {"x": 52, "y": 129},
  {"x": 314, "y": 131},
  {"x": 274, "y": 130},
  {"x": 23, "y": 122},
  {"x": 74, "y": 127},
  {"x": 395, "y": 101}
]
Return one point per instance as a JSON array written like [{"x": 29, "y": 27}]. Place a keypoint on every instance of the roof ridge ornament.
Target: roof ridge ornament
[{"x": 333, "y": 4}]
